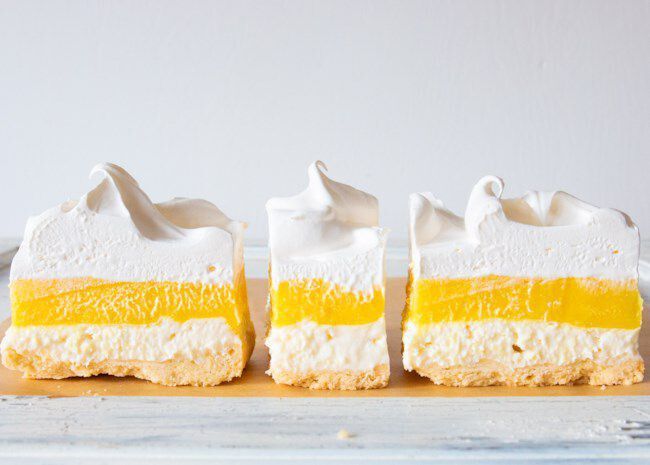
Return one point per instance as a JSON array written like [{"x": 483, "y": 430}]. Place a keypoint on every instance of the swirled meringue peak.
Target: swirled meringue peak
[
  {"x": 330, "y": 230},
  {"x": 545, "y": 234},
  {"x": 116, "y": 232}
]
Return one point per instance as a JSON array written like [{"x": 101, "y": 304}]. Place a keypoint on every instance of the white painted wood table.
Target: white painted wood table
[{"x": 35, "y": 429}]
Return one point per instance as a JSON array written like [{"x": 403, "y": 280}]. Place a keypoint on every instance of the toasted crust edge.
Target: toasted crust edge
[
  {"x": 347, "y": 380},
  {"x": 624, "y": 372},
  {"x": 213, "y": 370}
]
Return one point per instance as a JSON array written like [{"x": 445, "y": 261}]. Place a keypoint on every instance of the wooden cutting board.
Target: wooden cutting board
[{"x": 255, "y": 383}]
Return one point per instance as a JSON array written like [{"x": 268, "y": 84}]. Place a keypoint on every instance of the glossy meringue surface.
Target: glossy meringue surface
[
  {"x": 541, "y": 234},
  {"x": 328, "y": 231},
  {"x": 115, "y": 232}
]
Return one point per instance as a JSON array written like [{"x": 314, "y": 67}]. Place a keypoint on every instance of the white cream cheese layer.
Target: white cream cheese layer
[
  {"x": 542, "y": 234},
  {"x": 328, "y": 231},
  {"x": 309, "y": 347},
  {"x": 116, "y": 233},
  {"x": 82, "y": 344},
  {"x": 514, "y": 344}
]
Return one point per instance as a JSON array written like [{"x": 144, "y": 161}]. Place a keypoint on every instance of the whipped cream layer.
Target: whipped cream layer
[
  {"x": 514, "y": 344},
  {"x": 542, "y": 234},
  {"x": 116, "y": 233},
  {"x": 309, "y": 347},
  {"x": 194, "y": 340},
  {"x": 328, "y": 231}
]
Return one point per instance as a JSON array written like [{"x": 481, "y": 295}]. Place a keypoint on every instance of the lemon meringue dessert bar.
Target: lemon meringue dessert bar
[
  {"x": 537, "y": 290},
  {"x": 327, "y": 328},
  {"x": 114, "y": 284}
]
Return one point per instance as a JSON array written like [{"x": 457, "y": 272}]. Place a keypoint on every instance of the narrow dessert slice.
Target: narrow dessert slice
[
  {"x": 113, "y": 284},
  {"x": 327, "y": 327},
  {"x": 538, "y": 290}
]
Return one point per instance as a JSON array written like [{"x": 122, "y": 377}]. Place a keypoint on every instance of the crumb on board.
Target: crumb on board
[
  {"x": 344, "y": 434},
  {"x": 603, "y": 387}
]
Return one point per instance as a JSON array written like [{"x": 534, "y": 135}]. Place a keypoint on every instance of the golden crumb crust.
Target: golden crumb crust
[
  {"x": 624, "y": 372},
  {"x": 347, "y": 380},
  {"x": 213, "y": 370}
]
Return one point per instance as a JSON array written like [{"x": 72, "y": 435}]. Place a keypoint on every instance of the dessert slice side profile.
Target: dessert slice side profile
[
  {"x": 537, "y": 290},
  {"x": 115, "y": 284},
  {"x": 327, "y": 279}
]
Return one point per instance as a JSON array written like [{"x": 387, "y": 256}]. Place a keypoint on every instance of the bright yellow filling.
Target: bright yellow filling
[
  {"x": 324, "y": 303},
  {"x": 585, "y": 302},
  {"x": 71, "y": 301}
]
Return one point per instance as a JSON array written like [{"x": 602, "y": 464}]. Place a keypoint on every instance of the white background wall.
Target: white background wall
[{"x": 231, "y": 100}]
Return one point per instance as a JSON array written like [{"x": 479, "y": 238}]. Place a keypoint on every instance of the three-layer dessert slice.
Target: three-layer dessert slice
[
  {"x": 327, "y": 328},
  {"x": 114, "y": 284},
  {"x": 536, "y": 290}
]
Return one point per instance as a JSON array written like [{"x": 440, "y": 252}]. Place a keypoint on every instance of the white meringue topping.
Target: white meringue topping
[
  {"x": 330, "y": 231},
  {"x": 115, "y": 232},
  {"x": 543, "y": 234}
]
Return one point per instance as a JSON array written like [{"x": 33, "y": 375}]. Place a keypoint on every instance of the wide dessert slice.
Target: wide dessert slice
[
  {"x": 327, "y": 327},
  {"x": 537, "y": 290},
  {"x": 114, "y": 284}
]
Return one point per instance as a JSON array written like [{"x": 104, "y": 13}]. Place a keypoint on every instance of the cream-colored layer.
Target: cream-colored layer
[
  {"x": 194, "y": 340},
  {"x": 307, "y": 346},
  {"x": 515, "y": 344}
]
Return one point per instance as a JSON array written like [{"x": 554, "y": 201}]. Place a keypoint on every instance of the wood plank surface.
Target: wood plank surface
[{"x": 253, "y": 430}]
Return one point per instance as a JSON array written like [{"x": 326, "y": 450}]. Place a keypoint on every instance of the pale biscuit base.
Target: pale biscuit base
[
  {"x": 347, "y": 380},
  {"x": 220, "y": 368},
  {"x": 583, "y": 372}
]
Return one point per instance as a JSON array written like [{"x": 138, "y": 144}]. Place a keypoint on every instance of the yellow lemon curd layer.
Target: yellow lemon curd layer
[
  {"x": 72, "y": 301},
  {"x": 324, "y": 303},
  {"x": 585, "y": 302}
]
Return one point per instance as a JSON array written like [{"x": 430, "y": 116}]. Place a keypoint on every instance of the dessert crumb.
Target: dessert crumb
[
  {"x": 603, "y": 387},
  {"x": 344, "y": 434}
]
